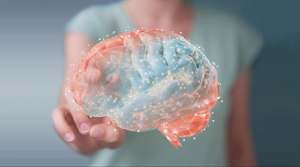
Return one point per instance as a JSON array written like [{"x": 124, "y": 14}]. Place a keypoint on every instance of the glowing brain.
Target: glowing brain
[{"x": 148, "y": 79}]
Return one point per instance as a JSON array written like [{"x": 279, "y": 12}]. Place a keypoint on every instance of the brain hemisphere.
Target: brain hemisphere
[{"x": 146, "y": 79}]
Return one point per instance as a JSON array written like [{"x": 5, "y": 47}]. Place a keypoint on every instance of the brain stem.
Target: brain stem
[{"x": 184, "y": 127}]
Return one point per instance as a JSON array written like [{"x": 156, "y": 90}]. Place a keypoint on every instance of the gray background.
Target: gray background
[{"x": 32, "y": 65}]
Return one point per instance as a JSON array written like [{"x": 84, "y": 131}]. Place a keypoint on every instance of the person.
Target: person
[{"x": 229, "y": 43}]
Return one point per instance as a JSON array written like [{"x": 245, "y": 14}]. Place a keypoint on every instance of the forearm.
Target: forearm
[{"x": 241, "y": 150}]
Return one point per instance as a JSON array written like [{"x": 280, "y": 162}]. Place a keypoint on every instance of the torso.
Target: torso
[{"x": 219, "y": 35}]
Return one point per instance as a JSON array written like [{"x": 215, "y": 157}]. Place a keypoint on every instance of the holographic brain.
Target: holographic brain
[{"x": 148, "y": 79}]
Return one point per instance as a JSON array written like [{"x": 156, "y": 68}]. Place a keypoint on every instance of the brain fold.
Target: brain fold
[{"x": 147, "y": 79}]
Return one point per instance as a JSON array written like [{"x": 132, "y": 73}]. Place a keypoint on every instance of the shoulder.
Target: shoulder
[
  {"x": 223, "y": 24},
  {"x": 98, "y": 11},
  {"x": 226, "y": 36},
  {"x": 103, "y": 12},
  {"x": 220, "y": 19},
  {"x": 94, "y": 21}
]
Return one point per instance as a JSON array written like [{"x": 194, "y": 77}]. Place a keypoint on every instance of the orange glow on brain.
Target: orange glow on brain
[{"x": 148, "y": 79}]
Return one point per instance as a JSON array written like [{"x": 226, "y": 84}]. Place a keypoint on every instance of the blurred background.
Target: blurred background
[{"x": 32, "y": 65}]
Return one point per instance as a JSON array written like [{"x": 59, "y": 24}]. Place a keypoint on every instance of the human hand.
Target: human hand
[{"x": 84, "y": 134}]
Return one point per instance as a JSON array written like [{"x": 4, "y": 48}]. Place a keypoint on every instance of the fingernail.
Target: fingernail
[
  {"x": 98, "y": 133},
  {"x": 68, "y": 137},
  {"x": 84, "y": 127}
]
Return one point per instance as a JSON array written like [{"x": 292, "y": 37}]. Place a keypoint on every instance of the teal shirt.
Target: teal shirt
[{"x": 228, "y": 42}]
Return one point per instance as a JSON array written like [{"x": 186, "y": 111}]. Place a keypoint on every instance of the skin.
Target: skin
[
  {"x": 88, "y": 135},
  {"x": 240, "y": 146}
]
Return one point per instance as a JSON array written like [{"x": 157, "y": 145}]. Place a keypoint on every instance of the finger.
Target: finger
[
  {"x": 108, "y": 134},
  {"x": 106, "y": 120},
  {"x": 80, "y": 118},
  {"x": 62, "y": 127}
]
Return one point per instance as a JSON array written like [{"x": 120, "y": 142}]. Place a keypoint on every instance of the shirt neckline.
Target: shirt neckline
[{"x": 125, "y": 16}]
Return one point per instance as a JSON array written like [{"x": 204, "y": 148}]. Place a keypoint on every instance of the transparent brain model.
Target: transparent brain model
[{"x": 144, "y": 80}]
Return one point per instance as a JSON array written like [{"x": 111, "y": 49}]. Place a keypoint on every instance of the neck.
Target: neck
[
  {"x": 157, "y": 11},
  {"x": 155, "y": 8}
]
